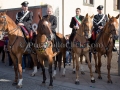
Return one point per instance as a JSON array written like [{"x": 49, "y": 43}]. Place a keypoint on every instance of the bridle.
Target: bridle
[
  {"x": 86, "y": 31},
  {"x": 111, "y": 36},
  {"x": 3, "y": 30}
]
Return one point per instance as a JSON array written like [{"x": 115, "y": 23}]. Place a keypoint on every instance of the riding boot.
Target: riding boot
[
  {"x": 114, "y": 48},
  {"x": 57, "y": 44}
]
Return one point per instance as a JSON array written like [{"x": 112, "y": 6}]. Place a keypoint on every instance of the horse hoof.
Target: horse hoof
[
  {"x": 99, "y": 77},
  {"x": 82, "y": 73},
  {"x": 14, "y": 83},
  {"x": 43, "y": 84},
  {"x": 73, "y": 72},
  {"x": 63, "y": 75},
  {"x": 109, "y": 81},
  {"x": 50, "y": 87},
  {"x": 77, "y": 82},
  {"x": 32, "y": 75},
  {"x": 19, "y": 86},
  {"x": 93, "y": 81},
  {"x": 96, "y": 71}
]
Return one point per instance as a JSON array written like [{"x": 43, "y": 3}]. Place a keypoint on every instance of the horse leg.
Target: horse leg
[
  {"x": 15, "y": 69},
  {"x": 90, "y": 68},
  {"x": 73, "y": 62},
  {"x": 43, "y": 70},
  {"x": 50, "y": 70},
  {"x": 64, "y": 61},
  {"x": 99, "y": 66},
  {"x": 81, "y": 66},
  {"x": 109, "y": 66},
  {"x": 19, "y": 56},
  {"x": 35, "y": 64},
  {"x": 77, "y": 69},
  {"x": 55, "y": 66},
  {"x": 96, "y": 66}
]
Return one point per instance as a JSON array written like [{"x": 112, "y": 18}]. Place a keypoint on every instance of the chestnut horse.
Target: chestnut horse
[
  {"x": 45, "y": 47},
  {"x": 80, "y": 44},
  {"x": 106, "y": 45},
  {"x": 16, "y": 45}
]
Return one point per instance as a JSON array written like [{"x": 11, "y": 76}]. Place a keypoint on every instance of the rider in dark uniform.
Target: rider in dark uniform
[
  {"x": 99, "y": 21},
  {"x": 53, "y": 21},
  {"x": 27, "y": 20},
  {"x": 74, "y": 24}
]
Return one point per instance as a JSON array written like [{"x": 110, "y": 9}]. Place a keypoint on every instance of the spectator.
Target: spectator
[
  {"x": 28, "y": 64},
  {"x": 68, "y": 57},
  {"x": 6, "y": 49},
  {"x": 2, "y": 43}
]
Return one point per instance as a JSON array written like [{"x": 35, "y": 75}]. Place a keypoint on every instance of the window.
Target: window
[
  {"x": 115, "y": 4},
  {"x": 88, "y": 2},
  {"x": 118, "y": 4}
]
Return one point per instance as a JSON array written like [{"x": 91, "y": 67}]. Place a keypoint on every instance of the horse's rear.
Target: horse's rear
[{"x": 61, "y": 55}]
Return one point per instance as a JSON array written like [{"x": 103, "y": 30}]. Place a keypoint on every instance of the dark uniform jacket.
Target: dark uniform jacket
[
  {"x": 97, "y": 18},
  {"x": 73, "y": 22},
  {"x": 27, "y": 21},
  {"x": 53, "y": 21}
]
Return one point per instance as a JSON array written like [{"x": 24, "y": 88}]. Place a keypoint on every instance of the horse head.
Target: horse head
[
  {"x": 87, "y": 26},
  {"x": 3, "y": 26},
  {"x": 6, "y": 24},
  {"x": 112, "y": 26},
  {"x": 44, "y": 27}
]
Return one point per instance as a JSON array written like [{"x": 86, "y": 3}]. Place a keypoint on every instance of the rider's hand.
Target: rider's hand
[
  {"x": 76, "y": 27},
  {"x": 100, "y": 27},
  {"x": 20, "y": 24}
]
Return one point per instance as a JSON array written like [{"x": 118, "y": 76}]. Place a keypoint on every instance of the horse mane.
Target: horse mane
[
  {"x": 107, "y": 24},
  {"x": 83, "y": 24},
  {"x": 9, "y": 20}
]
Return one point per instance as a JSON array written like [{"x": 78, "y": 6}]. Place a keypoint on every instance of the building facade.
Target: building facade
[{"x": 65, "y": 9}]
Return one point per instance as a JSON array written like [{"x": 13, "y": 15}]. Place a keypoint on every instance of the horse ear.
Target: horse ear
[
  {"x": 92, "y": 16},
  {"x": 109, "y": 16},
  {"x": 117, "y": 16},
  {"x": 39, "y": 16},
  {"x": 87, "y": 15}
]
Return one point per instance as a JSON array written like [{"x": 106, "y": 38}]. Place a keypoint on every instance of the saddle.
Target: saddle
[{"x": 28, "y": 36}]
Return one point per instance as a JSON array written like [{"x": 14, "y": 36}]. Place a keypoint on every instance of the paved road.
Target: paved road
[{"x": 60, "y": 83}]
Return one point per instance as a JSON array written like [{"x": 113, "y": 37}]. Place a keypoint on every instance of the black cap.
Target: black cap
[
  {"x": 25, "y": 4},
  {"x": 100, "y": 7}
]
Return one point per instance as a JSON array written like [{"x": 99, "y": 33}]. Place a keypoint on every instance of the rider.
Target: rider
[
  {"x": 24, "y": 18},
  {"x": 99, "y": 22},
  {"x": 53, "y": 21},
  {"x": 74, "y": 24}
]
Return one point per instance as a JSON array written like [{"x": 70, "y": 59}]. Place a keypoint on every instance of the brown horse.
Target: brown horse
[
  {"x": 16, "y": 45},
  {"x": 105, "y": 44},
  {"x": 80, "y": 43},
  {"x": 45, "y": 47}
]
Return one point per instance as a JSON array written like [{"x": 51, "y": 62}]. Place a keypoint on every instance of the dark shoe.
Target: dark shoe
[{"x": 114, "y": 49}]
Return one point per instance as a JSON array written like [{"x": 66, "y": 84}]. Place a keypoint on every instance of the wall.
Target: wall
[
  {"x": 69, "y": 9},
  {"x": 57, "y": 6}
]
